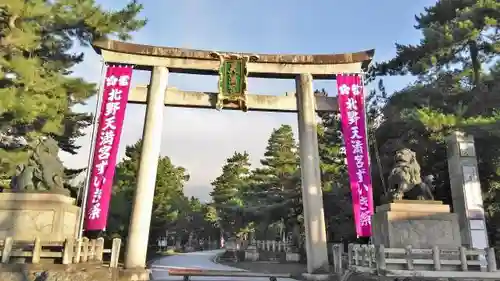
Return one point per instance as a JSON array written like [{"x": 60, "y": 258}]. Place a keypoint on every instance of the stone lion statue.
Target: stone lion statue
[
  {"x": 44, "y": 171},
  {"x": 405, "y": 177}
]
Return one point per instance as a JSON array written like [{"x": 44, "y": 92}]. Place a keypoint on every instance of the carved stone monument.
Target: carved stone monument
[
  {"x": 466, "y": 190},
  {"x": 421, "y": 223},
  {"x": 38, "y": 204}
]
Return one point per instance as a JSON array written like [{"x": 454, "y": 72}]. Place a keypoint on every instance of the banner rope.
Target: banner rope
[
  {"x": 361, "y": 73},
  {"x": 120, "y": 65}
]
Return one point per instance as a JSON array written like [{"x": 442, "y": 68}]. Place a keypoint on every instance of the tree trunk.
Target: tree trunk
[{"x": 476, "y": 64}]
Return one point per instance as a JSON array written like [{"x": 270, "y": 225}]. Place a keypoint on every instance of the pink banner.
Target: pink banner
[
  {"x": 351, "y": 99},
  {"x": 115, "y": 96}
]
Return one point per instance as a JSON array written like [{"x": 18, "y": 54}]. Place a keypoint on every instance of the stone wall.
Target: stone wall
[
  {"x": 56, "y": 272},
  {"x": 358, "y": 276}
]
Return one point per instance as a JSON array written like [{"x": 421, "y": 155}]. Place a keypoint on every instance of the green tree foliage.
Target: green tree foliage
[
  {"x": 460, "y": 34},
  {"x": 266, "y": 197},
  {"x": 331, "y": 150},
  {"x": 272, "y": 196},
  {"x": 37, "y": 91},
  {"x": 227, "y": 192},
  {"x": 211, "y": 215},
  {"x": 199, "y": 226},
  {"x": 169, "y": 204}
]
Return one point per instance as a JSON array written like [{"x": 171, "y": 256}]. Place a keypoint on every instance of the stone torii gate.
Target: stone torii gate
[{"x": 303, "y": 68}]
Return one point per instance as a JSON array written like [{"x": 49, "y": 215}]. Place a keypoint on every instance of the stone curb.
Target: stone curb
[
  {"x": 152, "y": 260},
  {"x": 316, "y": 277}
]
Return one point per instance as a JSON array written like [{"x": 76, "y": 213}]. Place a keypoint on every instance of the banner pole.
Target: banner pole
[
  {"x": 362, "y": 76},
  {"x": 367, "y": 142},
  {"x": 85, "y": 190}
]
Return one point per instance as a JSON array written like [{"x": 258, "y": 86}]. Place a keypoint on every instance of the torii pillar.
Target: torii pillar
[{"x": 312, "y": 194}]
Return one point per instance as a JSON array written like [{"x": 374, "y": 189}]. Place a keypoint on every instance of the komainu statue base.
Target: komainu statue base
[
  {"x": 24, "y": 216},
  {"x": 419, "y": 223}
]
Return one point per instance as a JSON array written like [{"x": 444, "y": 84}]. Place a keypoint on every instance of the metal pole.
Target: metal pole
[
  {"x": 85, "y": 189},
  {"x": 375, "y": 146}
]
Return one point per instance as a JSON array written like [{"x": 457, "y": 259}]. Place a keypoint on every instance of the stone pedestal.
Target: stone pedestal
[
  {"x": 421, "y": 224},
  {"x": 292, "y": 257},
  {"x": 251, "y": 253},
  {"x": 24, "y": 216}
]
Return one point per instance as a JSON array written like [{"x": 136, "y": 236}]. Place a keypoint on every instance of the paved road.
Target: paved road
[{"x": 198, "y": 260}]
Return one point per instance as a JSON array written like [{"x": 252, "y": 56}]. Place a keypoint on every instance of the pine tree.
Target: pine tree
[
  {"x": 37, "y": 91},
  {"x": 459, "y": 34},
  {"x": 274, "y": 195},
  {"x": 226, "y": 194},
  {"x": 169, "y": 202},
  {"x": 331, "y": 150},
  {"x": 195, "y": 224}
]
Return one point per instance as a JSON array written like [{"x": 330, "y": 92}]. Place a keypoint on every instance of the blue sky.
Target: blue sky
[{"x": 201, "y": 140}]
